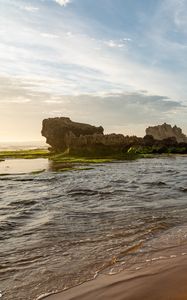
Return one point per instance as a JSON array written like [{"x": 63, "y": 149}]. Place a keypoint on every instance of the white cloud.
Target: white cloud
[
  {"x": 79, "y": 63},
  {"x": 69, "y": 34},
  {"x": 127, "y": 113},
  {"x": 64, "y": 54},
  {"x": 127, "y": 40},
  {"x": 51, "y": 101},
  {"x": 113, "y": 44},
  {"x": 62, "y": 2},
  {"x": 30, "y": 8},
  {"x": 177, "y": 12},
  {"x": 49, "y": 35},
  {"x": 120, "y": 43},
  {"x": 18, "y": 100}
]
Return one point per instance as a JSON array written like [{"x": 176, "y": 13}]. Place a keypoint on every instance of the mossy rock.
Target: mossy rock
[{"x": 27, "y": 154}]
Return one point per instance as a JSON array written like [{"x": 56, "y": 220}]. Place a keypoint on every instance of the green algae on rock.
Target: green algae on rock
[{"x": 27, "y": 154}]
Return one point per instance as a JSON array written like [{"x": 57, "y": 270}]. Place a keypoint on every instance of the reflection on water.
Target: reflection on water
[
  {"x": 16, "y": 166},
  {"x": 60, "y": 229}
]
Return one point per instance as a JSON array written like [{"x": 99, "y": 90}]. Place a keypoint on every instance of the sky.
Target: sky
[{"x": 121, "y": 64}]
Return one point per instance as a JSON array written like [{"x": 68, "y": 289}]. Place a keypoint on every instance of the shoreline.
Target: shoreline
[
  {"x": 160, "y": 280},
  {"x": 61, "y": 157},
  {"x": 20, "y": 160}
]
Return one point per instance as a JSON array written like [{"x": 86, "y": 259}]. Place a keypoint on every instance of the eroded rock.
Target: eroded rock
[
  {"x": 64, "y": 135},
  {"x": 166, "y": 131},
  {"x": 60, "y": 132}
]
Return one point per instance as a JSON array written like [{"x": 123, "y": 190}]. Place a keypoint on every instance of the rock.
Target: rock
[
  {"x": 60, "y": 132},
  {"x": 63, "y": 135},
  {"x": 165, "y": 131},
  {"x": 148, "y": 140},
  {"x": 68, "y": 137},
  {"x": 97, "y": 144}
]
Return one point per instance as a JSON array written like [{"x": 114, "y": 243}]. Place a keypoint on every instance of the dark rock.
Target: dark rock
[
  {"x": 60, "y": 132},
  {"x": 148, "y": 140},
  {"x": 63, "y": 135},
  {"x": 69, "y": 137}
]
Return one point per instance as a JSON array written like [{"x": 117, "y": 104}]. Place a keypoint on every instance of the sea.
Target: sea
[
  {"x": 22, "y": 145},
  {"x": 60, "y": 229}
]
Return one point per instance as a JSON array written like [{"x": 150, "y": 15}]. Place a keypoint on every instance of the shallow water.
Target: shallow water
[
  {"x": 60, "y": 229},
  {"x": 21, "y": 166}
]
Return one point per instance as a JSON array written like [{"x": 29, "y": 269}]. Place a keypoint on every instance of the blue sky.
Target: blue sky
[{"x": 117, "y": 63}]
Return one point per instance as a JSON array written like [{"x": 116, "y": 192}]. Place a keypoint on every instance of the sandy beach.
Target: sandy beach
[{"x": 161, "y": 280}]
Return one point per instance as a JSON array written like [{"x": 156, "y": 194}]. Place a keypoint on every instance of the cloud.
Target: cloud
[
  {"x": 113, "y": 44},
  {"x": 30, "y": 8},
  {"x": 53, "y": 101},
  {"x": 49, "y": 35},
  {"x": 81, "y": 59},
  {"x": 69, "y": 34},
  {"x": 117, "y": 110},
  {"x": 18, "y": 100},
  {"x": 17, "y": 90},
  {"x": 176, "y": 10},
  {"x": 61, "y": 61},
  {"x": 121, "y": 43},
  {"x": 127, "y": 40},
  {"x": 62, "y": 2},
  {"x": 23, "y": 107}
]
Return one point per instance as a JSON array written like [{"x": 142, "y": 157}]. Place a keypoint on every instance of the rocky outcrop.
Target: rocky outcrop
[
  {"x": 64, "y": 135},
  {"x": 102, "y": 144},
  {"x": 61, "y": 132},
  {"x": 166, "y": 131}
]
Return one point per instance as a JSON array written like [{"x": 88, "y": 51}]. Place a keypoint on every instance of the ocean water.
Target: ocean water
[
  {"x": 60, "y": 229},
  {"x": 22, "y": 145}
]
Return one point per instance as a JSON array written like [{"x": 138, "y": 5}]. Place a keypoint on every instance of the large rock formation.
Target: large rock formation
[
  {"x": 69, "y": 137},
  {"x": 61, "y": 132},
  {"x": 63, "y": 135},
  {"x": 165, "y": 131}
]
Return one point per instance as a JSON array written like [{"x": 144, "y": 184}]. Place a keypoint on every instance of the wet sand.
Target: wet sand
[{"x": 161, "y": 280}]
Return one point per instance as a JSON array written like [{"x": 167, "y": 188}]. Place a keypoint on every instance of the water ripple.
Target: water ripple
[{"x": 60, "y": 229}]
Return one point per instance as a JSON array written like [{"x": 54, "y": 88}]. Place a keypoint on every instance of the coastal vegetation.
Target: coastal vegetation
[
  {"x": 27, "y": 154},
  {"x": 131, "y": 154}
]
